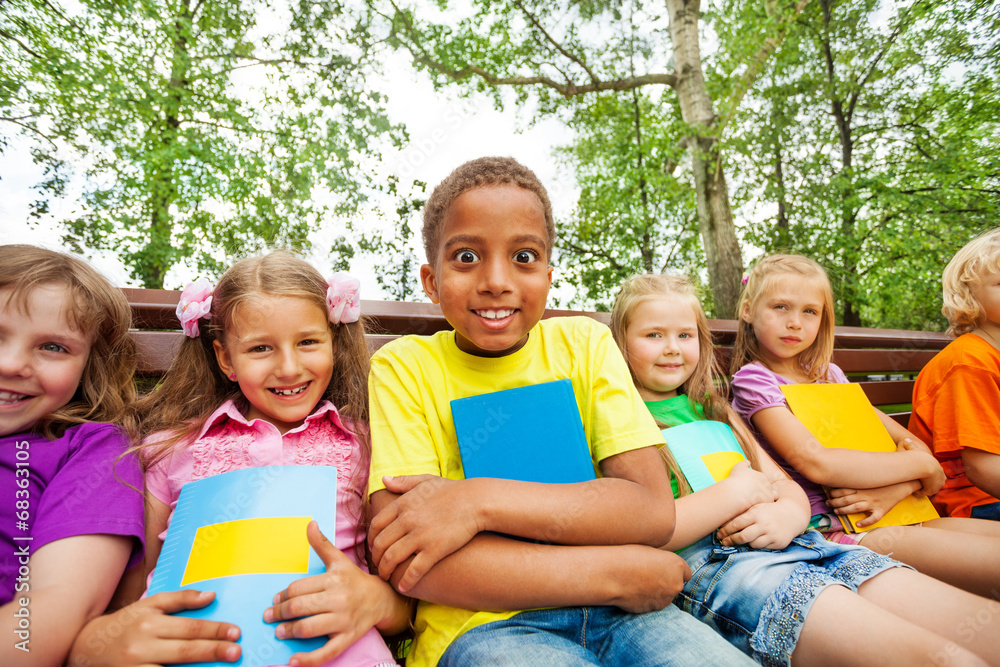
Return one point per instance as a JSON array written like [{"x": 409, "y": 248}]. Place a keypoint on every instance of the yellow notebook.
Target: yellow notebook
[{"x": 840, "y": 415}]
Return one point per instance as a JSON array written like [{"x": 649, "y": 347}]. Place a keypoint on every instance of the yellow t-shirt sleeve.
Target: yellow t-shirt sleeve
[{"x": 401, "y": 439}]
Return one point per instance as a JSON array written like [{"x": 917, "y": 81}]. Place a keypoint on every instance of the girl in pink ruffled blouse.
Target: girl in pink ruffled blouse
[{"x": 274, "y": 372}]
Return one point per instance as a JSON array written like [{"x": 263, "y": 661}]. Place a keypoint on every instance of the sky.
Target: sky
[{"x": 445, "y": 131}]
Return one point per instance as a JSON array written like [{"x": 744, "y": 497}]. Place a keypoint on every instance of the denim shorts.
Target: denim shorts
[
  {"x": 990, "y": 511},
  {"x": 758, "y": 598},
  {"x": 573, "y": 636}
]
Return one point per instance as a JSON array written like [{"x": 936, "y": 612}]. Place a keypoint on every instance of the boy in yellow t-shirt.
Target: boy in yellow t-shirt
[{"x": 488, "y": 234}]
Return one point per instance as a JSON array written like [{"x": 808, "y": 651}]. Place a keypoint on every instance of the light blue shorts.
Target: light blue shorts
[
  {"x": 593, "y": 636},
  {"x": 758, "y": 598}
]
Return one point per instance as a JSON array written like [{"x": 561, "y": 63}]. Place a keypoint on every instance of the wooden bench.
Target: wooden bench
[{"x": 884, "y": 361}]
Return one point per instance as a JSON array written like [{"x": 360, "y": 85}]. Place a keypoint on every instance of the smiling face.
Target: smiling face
[
  {"x": 662, "y": 344},
  {"x": 786, "y": 320},
  {"x": 491, "y": 275},
  {"x": 281, "y": 351},
  {"x": 42, "y": 357}
]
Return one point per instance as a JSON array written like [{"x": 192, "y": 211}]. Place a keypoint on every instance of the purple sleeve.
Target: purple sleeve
[
  {"x": 835, "y": 375},
  {"x": 93, "y": 492},
  {"x": 755, "y": 388}
]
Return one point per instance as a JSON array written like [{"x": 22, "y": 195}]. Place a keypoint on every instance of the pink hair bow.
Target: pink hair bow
[
  {"x": 342, "y": 298},
  {"x": 195, "y": 303}
]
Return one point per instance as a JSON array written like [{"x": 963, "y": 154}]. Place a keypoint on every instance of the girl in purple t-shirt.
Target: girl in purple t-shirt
[
  {"x": 785, "y": 336},
  {"x": 72, "y": 503}
]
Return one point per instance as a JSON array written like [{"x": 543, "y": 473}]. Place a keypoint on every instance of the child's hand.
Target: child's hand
[
  {"x": 935, "y": 479},
  {"x": 432, "y": 519},
  {"x": 650, "y": 578},
  {"x": 343, "y": 603},
  {"x": 766, "y": 525},
  {"x": 752, "y": 486},
  {"x": 873, "y": 502},
  {"x": 143, "y": 633}
]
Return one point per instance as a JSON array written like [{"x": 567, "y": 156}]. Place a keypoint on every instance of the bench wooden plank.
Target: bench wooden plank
[{"x": 858, "y": 350}]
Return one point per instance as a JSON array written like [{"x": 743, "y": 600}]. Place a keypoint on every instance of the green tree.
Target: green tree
[
  {"x": 205, "y": 129},
  {"x": 870, "y": 146},
  {"x": 635, "y": 212},
  {"x": 564, "y": 49}
]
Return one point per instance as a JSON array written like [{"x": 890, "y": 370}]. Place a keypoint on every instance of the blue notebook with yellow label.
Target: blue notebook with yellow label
[
  {"x": 706, "y": 451},
  {"x": 242, "y": 534},
  {"x": 531, "y": 434}
]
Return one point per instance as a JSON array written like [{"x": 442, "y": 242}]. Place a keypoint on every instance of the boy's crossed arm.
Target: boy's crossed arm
[{"x": 434, "y": 529}]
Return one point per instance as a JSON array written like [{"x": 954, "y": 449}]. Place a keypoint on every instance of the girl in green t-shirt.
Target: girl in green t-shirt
[{"x": 779, "y": 592}]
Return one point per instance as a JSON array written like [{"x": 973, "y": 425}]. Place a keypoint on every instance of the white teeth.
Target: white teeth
[
  {"x": 8, "y": 397},
  {"x": 290, "y": 392},
  {"x": 495, "y": 314}
]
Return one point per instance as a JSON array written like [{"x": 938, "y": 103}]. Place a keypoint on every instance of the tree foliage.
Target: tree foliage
[
  {"x": 636, "y": 212},
  {"x": 206, "y": 129},
  {"x": 561, "y": 50},
  {"x": 870, "y": 145}
]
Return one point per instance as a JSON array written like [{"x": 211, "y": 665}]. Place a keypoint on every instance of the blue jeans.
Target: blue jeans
[
  {"x": 758, "y": 598},
  {"x": 990, "y": 511},
  {"x": 592, "y": 636}
]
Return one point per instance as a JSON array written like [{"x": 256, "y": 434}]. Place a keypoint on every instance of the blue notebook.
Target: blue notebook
[
  {"x": 531, "y": 434},
  {"x": 242, "y": 534},
  {"x": 706, "y": 451}
]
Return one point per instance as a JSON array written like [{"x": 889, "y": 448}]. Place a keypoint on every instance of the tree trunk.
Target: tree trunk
[
  {"x": 159, "y": 253},
  {"x": 715, "y": 217},
  {"x": 848, "y": 212}
]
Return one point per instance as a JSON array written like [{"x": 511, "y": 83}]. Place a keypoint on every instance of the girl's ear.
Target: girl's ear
[
  {"x": 745, "y": 313},
  {"x": 222, "y": 356}
]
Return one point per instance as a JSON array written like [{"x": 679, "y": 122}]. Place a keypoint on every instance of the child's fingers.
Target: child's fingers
[
  {"x": 175, "y": 601},
  {"x": 404, "y": 483},
  {"x": 378, "y": 541},
  {"x": 316, "y": 625},
  {"x": 304, "y": 605},
  {"x": 397, "y": 552},
  {"x": 323, "y": 547},
  {"x": 178, "y": 627},
  {"x": 171, "y": 651},
  {"x": 415, "y": 571},
  {"x": 387, "y": 539}
]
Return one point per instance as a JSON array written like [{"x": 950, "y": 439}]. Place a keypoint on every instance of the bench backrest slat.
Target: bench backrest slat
[{"x": 863, "y": 353}]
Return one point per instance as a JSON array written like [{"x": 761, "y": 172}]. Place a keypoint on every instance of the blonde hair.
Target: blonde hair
[
  {"x": 701, "y": 387},
  {"x": 195, "y": 386},
  {"x": 815, "y": 361},
  {"x": 962, "y": 276},
  {"x": 96, "y": 308}
]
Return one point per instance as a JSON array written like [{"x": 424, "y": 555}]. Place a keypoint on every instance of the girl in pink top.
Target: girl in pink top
[
  {"x": 274, "y": 372},
  {"x": 785, "y": 336}
]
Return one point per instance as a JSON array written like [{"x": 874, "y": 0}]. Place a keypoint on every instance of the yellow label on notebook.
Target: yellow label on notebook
[
  {"x": 720, "y": 464},
  {"x": 839, "y": 415},
  {"x": 249, "y": 546}
]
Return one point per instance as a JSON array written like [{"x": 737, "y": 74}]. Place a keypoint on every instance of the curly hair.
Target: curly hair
[
  {"x": 97, "y": 308},
  {"x": 962, "y": 276},
  {"x": 479, "y": 173},
  {"x": 815, "y": 361},
  {"x": 701, "y": 388}
]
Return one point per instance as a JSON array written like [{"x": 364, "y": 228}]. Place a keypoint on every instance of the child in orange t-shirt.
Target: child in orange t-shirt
[{"x": 956, "y": 399}]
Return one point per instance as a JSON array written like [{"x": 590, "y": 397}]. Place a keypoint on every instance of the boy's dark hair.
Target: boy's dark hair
[{"x": 481, "y": 172}]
